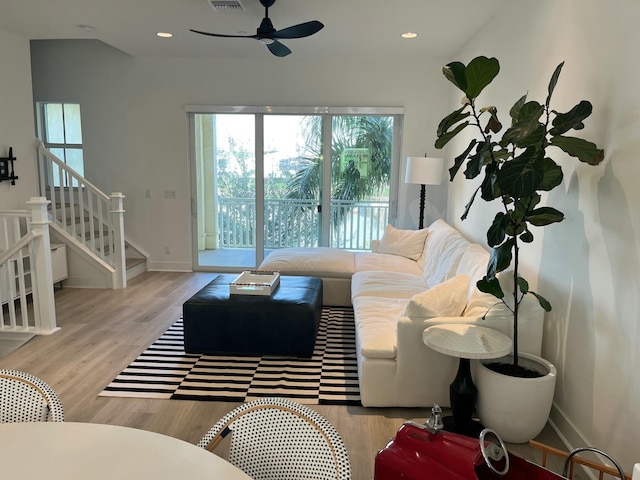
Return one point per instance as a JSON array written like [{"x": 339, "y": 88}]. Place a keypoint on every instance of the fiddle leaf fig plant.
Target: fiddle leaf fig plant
[{"x": 517, "y": 167}]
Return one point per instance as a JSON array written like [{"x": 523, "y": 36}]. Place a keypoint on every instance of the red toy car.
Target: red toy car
[
  {"x": 421, "y": 453},
  {"x": 428, "y": 452}
]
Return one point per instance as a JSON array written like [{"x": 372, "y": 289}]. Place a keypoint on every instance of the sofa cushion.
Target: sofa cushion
[
  {"x": 481, "y": 303},
  {"x": 312, "y": 262},
  {"x": 443, "y": 251},
  {"x": 386, "y": 285},
  {"x": 445, "y": 300},
  {"x": 376, "y": 320},
  {"x": 406, "y": 243},
  {"x": 368, "y": 261},
  {"x": 474, "y": 263}
]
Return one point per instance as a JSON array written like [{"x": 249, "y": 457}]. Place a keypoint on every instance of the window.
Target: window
[
  {"x": 60, "y": 130},
  {"x": 291, "y": 177}
]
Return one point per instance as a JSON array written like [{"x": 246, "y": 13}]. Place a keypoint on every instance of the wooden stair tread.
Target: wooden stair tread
[{"x": 132, "y": 262}]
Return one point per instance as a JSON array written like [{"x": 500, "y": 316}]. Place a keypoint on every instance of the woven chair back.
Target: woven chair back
[
  {"x": 278, "y": 439},
  {"x": 27, "y": 398}
]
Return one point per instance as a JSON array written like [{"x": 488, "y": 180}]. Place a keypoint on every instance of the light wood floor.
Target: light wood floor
[{"x": 103, "y": 330}]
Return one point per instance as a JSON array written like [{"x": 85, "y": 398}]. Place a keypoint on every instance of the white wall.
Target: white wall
[
  {"x": 589, "y": 265},
  {"x": 135, "y": 125},
  {"x": 16, "y": 120}
]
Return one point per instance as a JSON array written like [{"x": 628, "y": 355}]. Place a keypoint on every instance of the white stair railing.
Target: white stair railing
[
  {"x": 26, "y": 271},
  {"x": 83, "y": 213}
]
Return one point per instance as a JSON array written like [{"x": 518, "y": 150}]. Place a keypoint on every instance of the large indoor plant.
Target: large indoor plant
[{"x": 517, "y": 169}]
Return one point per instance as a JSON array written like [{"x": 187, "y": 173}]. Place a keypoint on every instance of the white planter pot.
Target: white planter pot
[{"x": 516, "y": 408}]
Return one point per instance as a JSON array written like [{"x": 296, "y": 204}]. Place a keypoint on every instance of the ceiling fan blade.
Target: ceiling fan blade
[
  {"x": 267, "y": 34},
  {"x": 222, "y": 35},
  {"x": 278, "y": 49},
  {"x": 299, "y": 31}
]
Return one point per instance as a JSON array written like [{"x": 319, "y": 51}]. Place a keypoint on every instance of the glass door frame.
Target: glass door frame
[{"x": 259, "y": 112}]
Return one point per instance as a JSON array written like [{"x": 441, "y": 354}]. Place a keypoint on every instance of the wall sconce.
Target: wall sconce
[
  {"x": 423, "y": 171},
  {"x": 6, "y": 168}
]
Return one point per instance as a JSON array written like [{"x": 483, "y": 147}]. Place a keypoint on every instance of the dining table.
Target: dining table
[{"x": 72, "y": 450}]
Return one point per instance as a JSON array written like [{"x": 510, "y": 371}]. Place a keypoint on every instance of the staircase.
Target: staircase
[{"x": 90, "y": 223}]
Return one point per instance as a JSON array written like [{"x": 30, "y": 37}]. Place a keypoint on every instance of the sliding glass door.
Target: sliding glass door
[
  {"x": 362, "y": 152},
  {"x": 262, "y": 180},
  {"x": 291, "y": 192},
  {"x": 225, "y": 185}
]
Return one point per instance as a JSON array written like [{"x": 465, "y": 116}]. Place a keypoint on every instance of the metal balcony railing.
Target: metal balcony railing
[{"x": 297, "y": 223}]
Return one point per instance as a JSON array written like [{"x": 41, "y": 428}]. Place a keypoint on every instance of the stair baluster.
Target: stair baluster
[{"x": 84, "y": 215}]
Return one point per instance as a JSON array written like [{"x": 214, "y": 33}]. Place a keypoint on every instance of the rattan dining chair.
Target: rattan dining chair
[
  {"x": 279, "y": 439},
  {"x": 27, "y": 398}
]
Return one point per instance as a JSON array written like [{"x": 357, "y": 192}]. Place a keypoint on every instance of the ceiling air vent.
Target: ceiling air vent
[{"x": 226, "y": 6}]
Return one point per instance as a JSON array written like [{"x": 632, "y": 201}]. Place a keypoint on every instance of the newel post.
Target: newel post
[
  {"x": 41, "y": 268},
  {"x": 117, "y": 220}
]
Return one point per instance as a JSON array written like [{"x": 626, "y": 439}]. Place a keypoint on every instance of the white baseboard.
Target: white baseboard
[{"x": 569, "y": 434}]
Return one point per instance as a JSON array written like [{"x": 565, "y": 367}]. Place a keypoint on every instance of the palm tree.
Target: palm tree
[{"x": 350, "y": 181}]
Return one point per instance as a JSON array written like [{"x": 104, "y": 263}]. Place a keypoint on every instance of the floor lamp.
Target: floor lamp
[{"x": 423, "y": 171}]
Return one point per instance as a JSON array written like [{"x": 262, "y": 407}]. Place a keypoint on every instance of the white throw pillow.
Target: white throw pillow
[
  {"x": 406, "y": 243},
  {"x": 447, "y": 299}
]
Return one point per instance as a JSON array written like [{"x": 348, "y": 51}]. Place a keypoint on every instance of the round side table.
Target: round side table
[{"x": 465, "y": 341}]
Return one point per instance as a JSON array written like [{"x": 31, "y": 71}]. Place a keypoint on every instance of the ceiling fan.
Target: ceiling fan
[{"x": 268, "y": 35}]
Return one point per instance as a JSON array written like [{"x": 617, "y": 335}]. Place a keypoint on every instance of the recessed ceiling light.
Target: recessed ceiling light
[
  {"x": 86, "y": 28},
  {"x": 164, "y": 34},
  {"x": 409, "y": 35}
]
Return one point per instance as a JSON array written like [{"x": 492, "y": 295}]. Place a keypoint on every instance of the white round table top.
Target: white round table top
[
  {"x": 467, "y": 341},
  {"x": 69, "y": 451}
]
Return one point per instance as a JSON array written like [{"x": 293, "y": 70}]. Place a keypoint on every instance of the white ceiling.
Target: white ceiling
[{"x": 361, "y": 28}]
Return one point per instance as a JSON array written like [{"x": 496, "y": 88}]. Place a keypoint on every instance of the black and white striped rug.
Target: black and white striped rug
[{"x": 329, "y": 377}]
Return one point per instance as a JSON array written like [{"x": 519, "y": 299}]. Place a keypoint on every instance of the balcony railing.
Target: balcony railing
[{"x": 296, "y": 223}]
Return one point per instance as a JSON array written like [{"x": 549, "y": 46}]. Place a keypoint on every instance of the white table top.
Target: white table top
[
  {"x": 70, "y": 451},
  {"x": 467, "y": 341}
]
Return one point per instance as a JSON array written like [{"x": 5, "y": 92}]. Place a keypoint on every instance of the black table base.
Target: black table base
[{"x": 463, "y": 395}]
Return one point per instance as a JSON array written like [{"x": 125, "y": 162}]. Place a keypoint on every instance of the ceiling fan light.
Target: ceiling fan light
[{"x": 266, "y": 41}]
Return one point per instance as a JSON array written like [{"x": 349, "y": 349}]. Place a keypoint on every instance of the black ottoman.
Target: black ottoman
[{"x": 284, "y": 323}]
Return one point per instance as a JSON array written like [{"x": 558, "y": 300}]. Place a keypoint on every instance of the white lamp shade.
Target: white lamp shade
[{"x": 424, "y": 170}]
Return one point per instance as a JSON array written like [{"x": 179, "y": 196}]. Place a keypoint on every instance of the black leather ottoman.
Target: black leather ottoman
[{"x": 284, "y": 323}]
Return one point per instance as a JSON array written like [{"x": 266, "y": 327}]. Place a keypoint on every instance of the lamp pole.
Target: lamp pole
[
  {"x": 423, "y": 171},
  {"x": 423, "y": 194}
]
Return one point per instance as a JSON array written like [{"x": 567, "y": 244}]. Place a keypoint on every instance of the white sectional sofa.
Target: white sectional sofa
[{"x": 411, "y": 279}]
